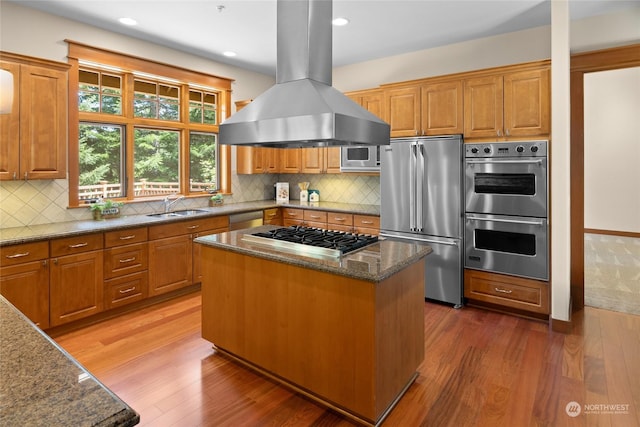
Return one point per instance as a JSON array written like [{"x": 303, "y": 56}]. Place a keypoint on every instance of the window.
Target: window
[
  {"x": 144, "y": 132},
  {"x": 99, "y": 92},
  {"x": 101, "y": 152},
  {"x": 202, "y": 161}
]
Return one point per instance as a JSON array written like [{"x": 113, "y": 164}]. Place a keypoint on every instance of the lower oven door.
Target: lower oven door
[{"x": 507, "y": 244}]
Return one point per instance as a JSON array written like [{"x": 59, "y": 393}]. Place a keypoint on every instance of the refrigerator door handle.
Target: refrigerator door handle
[
  {"x": 421, "y": 239},
  {"x": 412, "y": 186},
  {"x": 420, "y": 185}
]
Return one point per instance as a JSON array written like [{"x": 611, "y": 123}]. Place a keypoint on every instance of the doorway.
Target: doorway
[{"x": 604, "y": 240}]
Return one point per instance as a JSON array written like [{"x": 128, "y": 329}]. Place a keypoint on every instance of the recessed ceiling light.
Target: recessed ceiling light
[
  {"x": 128, "y": 21},
  {"x": 229, "y": 53},
  {"x": 339, "y": 22}
]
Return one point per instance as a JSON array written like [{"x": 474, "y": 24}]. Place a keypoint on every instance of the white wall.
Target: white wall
[
  {"x": 522, "y": 46},
  {"x": 612, "y": 150},
  {"x": 31, "y": 32}
]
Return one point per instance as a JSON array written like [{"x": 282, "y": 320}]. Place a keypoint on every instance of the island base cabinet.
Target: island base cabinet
[
  {"x": 350, "y": 344},
  {"x": 76, "y": 287}
]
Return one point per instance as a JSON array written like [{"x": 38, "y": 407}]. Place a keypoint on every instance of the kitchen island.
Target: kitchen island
[
  {"x": 41, "y": 385},
  {"x": 347, "y": 332}
]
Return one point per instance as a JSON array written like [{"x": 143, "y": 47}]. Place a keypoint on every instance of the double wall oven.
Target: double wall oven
[{"x": 506, "y": 214}]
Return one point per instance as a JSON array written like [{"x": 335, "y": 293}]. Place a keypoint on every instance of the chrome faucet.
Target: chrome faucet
[{"x": 168, "y": 203}]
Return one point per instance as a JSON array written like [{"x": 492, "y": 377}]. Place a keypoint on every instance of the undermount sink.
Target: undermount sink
[{"x": 186, "y": 212}]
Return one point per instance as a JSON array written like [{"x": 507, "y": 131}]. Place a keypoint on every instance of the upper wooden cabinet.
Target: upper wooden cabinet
[
  {"x": 508, "y": 104},
  {"x": 254, "y": 160},
  {"x": 320, "y": 160},
  {"x": 371, "y": 100},
  {"x": 433, "y": 108},
  {"x": 33, "y": 137}
]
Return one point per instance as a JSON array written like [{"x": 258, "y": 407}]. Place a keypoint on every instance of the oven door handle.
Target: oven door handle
[
  {"x": 509, "y": 221},
  {"x": 503, "y": 161}
]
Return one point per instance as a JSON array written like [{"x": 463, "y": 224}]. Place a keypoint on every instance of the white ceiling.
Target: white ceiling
[{"x": 378, "y": 28}]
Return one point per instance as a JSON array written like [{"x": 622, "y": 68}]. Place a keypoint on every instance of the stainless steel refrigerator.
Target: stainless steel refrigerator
[{"x": 421, "y": 198}]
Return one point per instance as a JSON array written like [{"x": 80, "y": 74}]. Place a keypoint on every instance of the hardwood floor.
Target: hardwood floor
[{"x": 481, "y": 369}]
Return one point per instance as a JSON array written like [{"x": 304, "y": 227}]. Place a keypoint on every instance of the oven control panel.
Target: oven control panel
[{"x": 506, "y": 149}]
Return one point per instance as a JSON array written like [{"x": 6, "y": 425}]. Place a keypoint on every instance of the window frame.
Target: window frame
[{"x": 131, "y": 67}]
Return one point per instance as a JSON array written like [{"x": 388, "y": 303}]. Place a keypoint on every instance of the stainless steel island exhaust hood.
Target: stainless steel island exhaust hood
[{"x": 302, "y": 109}]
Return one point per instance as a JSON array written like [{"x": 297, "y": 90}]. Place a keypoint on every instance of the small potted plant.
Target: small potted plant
[
  {"x": 216, "y": 200},
  {"x": 104, "y": 209}
]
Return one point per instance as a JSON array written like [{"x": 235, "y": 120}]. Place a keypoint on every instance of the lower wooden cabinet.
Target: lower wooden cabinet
[
  {"x": 510, "y": 292},
  {"x": 170, "y": 264},
  {"x": 272, "y": 216},
  {"x": 76, "y": 287},
  {"x": 26, "y": 286},
  {"x": 126, "y": 289}
]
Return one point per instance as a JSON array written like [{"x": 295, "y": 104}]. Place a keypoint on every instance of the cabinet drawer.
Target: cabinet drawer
[
  {"x": 338, "y": 218},
  {"x": 75, "y": 245},
  {"x": 288, "y": 213},
  {"x": 187, "y": 227},
  {"x": 366, "y": 221},
  {"x": 26, "y": 252},
  {"x": 315, "y": 216},
  {"x": 125, "y": 260},
  {"x": 510, "y": 291},
  {"x": 126, "y": 289},
  {"x": 272, "y": 216},
  {"x": 125, "y": 237}
]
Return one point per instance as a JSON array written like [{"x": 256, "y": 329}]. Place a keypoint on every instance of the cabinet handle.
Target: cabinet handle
[
  {"x": 122, "y": 261},
  {"x": 507, "y": 132},
  {"x": 504, "y": 291},
  {"x": 340, "y": 219},
  {"x": 131, "y": 236},
  {"x": 314, "y": 216},
  {"x": 498, "y": 132},
  {"x": 271, "y": 215},
  {"x": 25, "y": 176},
  {"x": 44, "y": 263},
  {"x": 364, "y": 221},
  {"x": 78, "y": 245},
  {"x": 15, "y": 176},
  {"x": 193, "y": 227},
  {"x": 292, "y": 214},
  {"x": 126, "y": 291},
  {"x": 20, "y": 255}
]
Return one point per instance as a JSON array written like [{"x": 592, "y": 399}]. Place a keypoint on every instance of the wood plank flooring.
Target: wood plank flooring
[{"x": 481, "y": 369}]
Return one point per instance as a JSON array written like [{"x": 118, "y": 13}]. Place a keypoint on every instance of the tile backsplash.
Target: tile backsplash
[{"x": 34, "y": 202}]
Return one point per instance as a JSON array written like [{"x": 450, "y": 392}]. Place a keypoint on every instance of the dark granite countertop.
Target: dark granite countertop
[
  {"x": 16, "y": 235},
  {"x": 373, "y": 263},
  {"x": 42, "y": 385}
]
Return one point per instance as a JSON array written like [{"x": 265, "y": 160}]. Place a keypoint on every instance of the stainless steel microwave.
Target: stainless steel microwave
[{"x": 360, "y": 158}]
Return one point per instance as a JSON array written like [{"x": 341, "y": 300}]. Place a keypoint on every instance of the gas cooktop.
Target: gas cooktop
[{"x": 311, "y": 241}]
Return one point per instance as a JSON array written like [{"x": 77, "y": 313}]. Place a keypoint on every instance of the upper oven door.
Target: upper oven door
[
  {"x": 360, "y": 158},
  {"x": 506, "y": 186}
]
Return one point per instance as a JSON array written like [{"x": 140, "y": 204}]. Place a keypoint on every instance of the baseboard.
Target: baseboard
[{"x": 612, "y": 232}]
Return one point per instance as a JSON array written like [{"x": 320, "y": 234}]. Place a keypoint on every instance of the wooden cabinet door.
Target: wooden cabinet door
[
  {"x": 10, "y": 129},
  {"x": 76, "y": 287},
  {"x": 170, "y": 264},
  {"x": 43, "y": 123},
  {"x": 332, "y": 159},
  {"x": 402, "y": 110},
  {"x": 270, "y": 160},
  {"x": 26, "y": 286},
  {"x": 290, "y": 160},
  {"x": 373, "y": 101},
  {"x": 442, "y": 108},
  {"x": 527, "y": 105},
  {"x": 483, "y": 110},
  {"x": 197, "y": 249},
  {"x": 312, "y": 160},
  {"x": 246, "y": 160}
]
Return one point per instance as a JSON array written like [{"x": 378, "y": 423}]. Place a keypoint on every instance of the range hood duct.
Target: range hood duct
[{"x": 302, "y": 109}]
